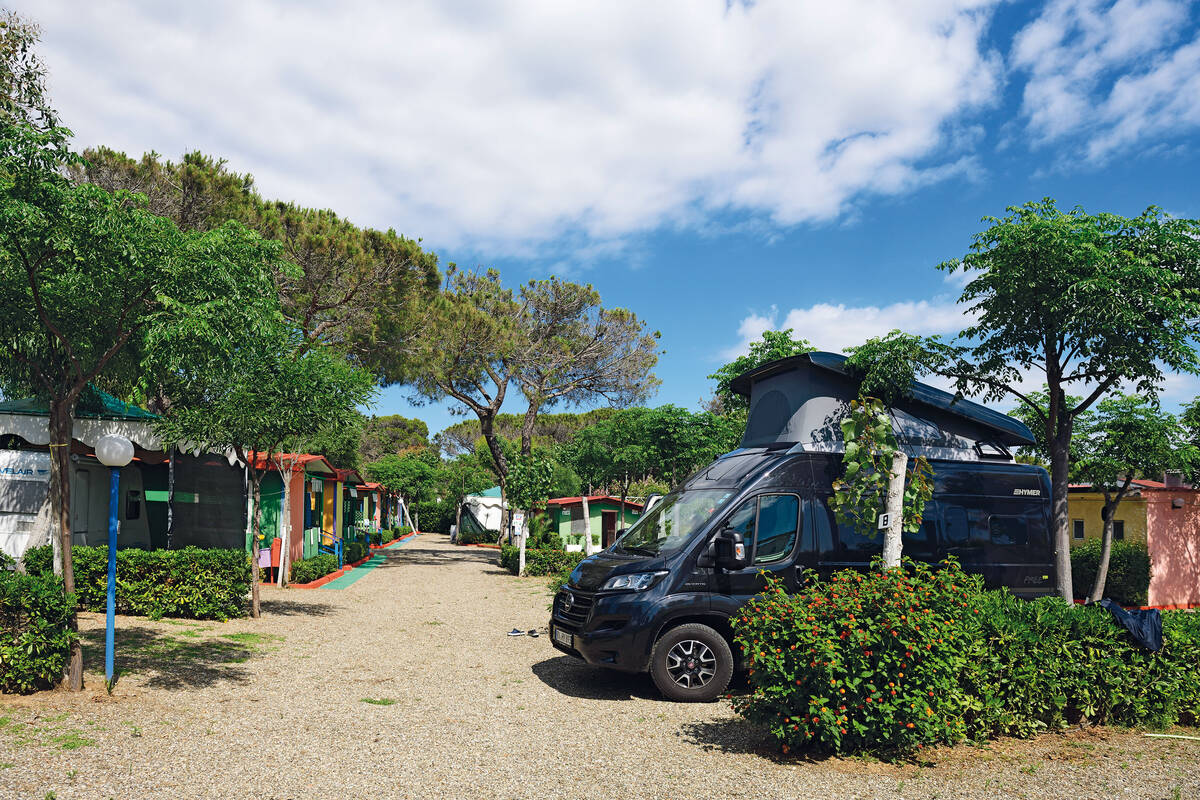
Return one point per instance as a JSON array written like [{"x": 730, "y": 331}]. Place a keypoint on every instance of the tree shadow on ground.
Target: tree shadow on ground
[
  {"x": 574, "y": 678},
  {"x": 729, "y": 736},
  {"x": 295, "y": 608},
  {"x": 172, "y": 662},
  {"x": 410, "y": 555}
]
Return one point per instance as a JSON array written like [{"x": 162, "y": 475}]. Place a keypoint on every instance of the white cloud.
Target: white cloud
[
  {"x": 1113, "y": 72},
  {"x": 503, "y": 126},
  {"x": 835, "y": 327}
]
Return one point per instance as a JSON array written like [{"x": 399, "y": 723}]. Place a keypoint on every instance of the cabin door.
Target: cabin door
[{"x": 608, "y": 528}]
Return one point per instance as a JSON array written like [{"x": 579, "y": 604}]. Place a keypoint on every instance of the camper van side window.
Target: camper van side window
[
  {"x": 955, "y": 523},
  {"x": 778, "y": 524},
  {"x": 1008, "y": 530}
]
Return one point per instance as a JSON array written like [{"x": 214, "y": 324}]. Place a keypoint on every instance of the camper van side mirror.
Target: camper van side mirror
[{"x": 731, "y": 550}]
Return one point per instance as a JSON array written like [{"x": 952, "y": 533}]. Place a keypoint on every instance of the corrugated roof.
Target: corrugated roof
[
  {"x": 93, "y": 403},
  {"x": 592, "y": 498}
]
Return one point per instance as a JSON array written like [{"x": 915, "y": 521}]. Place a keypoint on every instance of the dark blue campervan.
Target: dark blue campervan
[{"x": 661, "y": 596}]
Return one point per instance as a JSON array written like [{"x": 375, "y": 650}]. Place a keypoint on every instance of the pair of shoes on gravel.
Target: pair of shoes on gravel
[{"x": 519, "y": 632}]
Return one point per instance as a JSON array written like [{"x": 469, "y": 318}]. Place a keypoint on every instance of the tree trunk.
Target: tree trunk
[
  {"x": 527, "y": 426},
  {"x": 255, "y": 529},
  {"x": 587, "y": 528},
  {"x": 1105, "y": 553},
  {"x": 521, "y": 555},
  {"x": 893, "y": 535},
  {"x": 62, "y": 425},
  {"x": 1060, "y": 467}
]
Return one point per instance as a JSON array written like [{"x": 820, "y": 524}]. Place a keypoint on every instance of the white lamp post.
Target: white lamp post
[{"x": 114, "y": 452}]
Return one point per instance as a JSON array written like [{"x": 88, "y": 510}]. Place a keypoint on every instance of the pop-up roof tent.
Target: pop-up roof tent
[{"x": 800, "y": 401}]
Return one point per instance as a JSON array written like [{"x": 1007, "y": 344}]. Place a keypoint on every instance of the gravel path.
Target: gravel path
[{"x": 274, "y": 708}]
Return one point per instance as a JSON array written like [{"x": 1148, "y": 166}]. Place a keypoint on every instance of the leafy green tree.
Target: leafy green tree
[
  {"x": 413, "y": 475},
  {"x": 23, "y": 98},
  {"x": 773, "y": 346},
  {"x": 1123, "y": 438},
  {"x": 90, "y": 281},
  {"x": 577, "y": 352},
  {"x": 1089, "y": 300},
  {"x": 355, "y": 287},
  {"x": 877, "y": 479},
  {"x": 268, "y": 389},
  {"x": 466, "y": 351},
  {"x": 392, "y": 434},
  {"x": 550, "y": 430}
]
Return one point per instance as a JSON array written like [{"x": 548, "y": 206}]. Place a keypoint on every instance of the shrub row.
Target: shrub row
[
  {"x": 540, "y": 561},
  {"x": 35, "y": 632},
  {"x": 888, "y": 662},
  {"x": 191, "y": 582},
  {"x": 354, "y": 551},
  {"x": 307, "y": 570},
  {"x": 471, "y": 537},
  {"x": 1128, "y": 580}
]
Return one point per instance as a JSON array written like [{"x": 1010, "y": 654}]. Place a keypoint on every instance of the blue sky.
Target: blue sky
[{"x": 717, "y": 168}]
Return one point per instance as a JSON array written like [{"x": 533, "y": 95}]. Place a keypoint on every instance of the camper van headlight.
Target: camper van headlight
[{"x": 637, "y": 582}]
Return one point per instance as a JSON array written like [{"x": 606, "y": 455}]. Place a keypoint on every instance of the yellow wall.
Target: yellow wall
[
  {"x": 330, "y": 499},
  {"x": 1087, "y": 506}
]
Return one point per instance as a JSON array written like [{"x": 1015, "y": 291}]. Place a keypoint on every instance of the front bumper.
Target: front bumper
[{"x": 607, "y": 630}]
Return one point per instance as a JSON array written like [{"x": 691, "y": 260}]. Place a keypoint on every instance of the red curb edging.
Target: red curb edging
[
  {"x": 394, "y": 542},
  {"x": 319, "y": 582}
]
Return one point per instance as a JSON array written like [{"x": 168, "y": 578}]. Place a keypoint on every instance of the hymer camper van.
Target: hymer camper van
[{"x": 660, "y": 598}]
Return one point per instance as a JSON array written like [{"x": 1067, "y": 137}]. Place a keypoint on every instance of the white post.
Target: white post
[
  {"x": 892, "y": 541},
  {"x": 587, "y": 527}
]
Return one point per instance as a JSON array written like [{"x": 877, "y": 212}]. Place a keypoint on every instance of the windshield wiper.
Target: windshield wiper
[{"x": 642, "y": 550}]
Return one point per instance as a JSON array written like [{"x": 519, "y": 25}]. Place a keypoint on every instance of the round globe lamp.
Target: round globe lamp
[{"x": 113, "y": 451}]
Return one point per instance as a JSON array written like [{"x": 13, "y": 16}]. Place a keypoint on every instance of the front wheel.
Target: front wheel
[{"x": 691, "y": 663}]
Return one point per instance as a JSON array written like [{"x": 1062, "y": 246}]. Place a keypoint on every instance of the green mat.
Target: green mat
[{"x": 358, "y": 572}]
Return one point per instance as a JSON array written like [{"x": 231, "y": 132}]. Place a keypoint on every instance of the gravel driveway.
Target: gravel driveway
[{"x": 276, "y": 708}]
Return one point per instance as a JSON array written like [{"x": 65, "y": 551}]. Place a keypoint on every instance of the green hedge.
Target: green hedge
[
  {"x": 539, "y": 561},
  {"x": 354, "y": 551},
  {"x": 307, "y": 570},
  {"x": 1128, "y": 580},
  {"x": 470, "y": 537},
  {"x": 35, "y": 631},
  {"x": 191, "y": 582},
  {"x": 886, "y": 663}
]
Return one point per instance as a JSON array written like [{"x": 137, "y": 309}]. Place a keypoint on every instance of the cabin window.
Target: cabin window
[
  {"x": 1077, "y": 528},
  {"x": 1118, "y": 530},
  {"x": 955, "y": 522},
  {"x": 1008, "y": 531},
  {"x": 133, "y": 504},
  {"x": 778, "y": 525}
]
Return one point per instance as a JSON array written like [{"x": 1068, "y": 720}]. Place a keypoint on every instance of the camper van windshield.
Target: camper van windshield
[{"x": 670, "y": 523}]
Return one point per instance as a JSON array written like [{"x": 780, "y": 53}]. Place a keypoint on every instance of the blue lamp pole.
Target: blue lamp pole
[{"x": 114, "y": 452}]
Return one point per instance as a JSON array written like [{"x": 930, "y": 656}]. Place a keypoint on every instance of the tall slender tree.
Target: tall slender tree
[
  {"x": 577, "y": 352},
  {"x": 1089, "y": 301}
]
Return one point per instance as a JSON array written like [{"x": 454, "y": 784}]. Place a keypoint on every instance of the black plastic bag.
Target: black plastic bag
[{"x": 1144, "y": 626}]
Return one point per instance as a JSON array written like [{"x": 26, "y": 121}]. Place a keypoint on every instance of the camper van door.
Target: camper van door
[{"x": 24, "y": 483}]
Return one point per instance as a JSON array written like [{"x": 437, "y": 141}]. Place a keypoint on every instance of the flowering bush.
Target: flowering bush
[
  {"x": 889, "y": 662},
  {"x": 861, "y": 661}
]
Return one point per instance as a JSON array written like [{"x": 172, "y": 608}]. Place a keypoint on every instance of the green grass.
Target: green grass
[{"x": 380, "y": 701}]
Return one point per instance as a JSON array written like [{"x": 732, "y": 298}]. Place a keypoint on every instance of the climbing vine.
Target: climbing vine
[{"x": 860, "y": 496}]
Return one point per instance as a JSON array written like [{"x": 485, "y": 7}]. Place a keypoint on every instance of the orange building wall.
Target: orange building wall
[
  {"x": 296, "y": 507},
  {"x": 1173, "y": 539}
]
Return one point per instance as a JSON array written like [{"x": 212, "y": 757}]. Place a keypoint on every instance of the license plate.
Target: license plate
[{"x": 564, "y": 638}]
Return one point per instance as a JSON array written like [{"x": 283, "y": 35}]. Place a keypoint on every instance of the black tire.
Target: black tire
[{"x": 691, "y": 663}]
